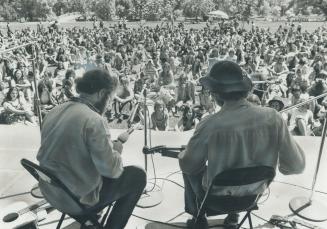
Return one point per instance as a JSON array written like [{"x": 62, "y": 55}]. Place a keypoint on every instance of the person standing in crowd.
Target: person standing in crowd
[
  {"x": 239, "y": 135},
  {"x": 75, "y": 136}
]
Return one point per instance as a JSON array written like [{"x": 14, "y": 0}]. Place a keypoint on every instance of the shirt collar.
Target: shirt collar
[
  {"x": 86, "y": 102},
  {"x": 232, "y": 105}
]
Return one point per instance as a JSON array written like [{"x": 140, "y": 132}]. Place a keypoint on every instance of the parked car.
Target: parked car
[
  {"x": 81, "y": 18},
  {"x": 87, "y": 18}
]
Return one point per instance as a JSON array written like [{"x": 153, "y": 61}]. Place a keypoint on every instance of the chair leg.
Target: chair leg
[
  {"x": 243, "y": 220},
  {"x": 105, "y": 216},
  {"x": 61, "y": 220},
  {"x": 250, "y": 221}
]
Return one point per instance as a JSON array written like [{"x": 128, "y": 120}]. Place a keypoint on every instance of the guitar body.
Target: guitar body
[
  {"x": 20, "y": 215},
  {"x": 10, "y": 218}
]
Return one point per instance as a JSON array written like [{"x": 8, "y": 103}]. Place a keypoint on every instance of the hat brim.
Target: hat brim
[{"x": 216, "y": 86}]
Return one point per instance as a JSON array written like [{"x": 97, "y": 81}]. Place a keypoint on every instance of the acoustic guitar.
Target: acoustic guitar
[{"x": 19, "y": 214}]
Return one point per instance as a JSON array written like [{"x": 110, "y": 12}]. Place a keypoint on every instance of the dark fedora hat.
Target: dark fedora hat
[{"x": 226, "y": 76}]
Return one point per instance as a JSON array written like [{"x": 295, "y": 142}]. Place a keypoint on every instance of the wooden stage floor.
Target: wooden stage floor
[{"x": 20, "y": 141}]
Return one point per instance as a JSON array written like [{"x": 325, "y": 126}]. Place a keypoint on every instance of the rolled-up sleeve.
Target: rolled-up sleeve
[
  {"x": 291, "y": 156},
  {"x": 98, "y": 141},
  {"x": 193, "y": 159}
]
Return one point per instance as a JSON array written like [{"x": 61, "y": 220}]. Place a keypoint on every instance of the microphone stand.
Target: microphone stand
[
  {"x": 152, "y": 195},
  {"x": 306, "y": 207},
  {"x": 35, "y": 191},
  {"x": 37, "y": 101},
  {"x": 145, "y": 108}
]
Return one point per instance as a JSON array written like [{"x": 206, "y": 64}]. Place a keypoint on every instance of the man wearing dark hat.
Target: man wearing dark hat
[
  {"x": 76, "y": 146},
  {"x": 239, "y": 135}
]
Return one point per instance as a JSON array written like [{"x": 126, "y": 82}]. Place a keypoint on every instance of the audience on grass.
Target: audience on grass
[{"x": 287, "y": 66}]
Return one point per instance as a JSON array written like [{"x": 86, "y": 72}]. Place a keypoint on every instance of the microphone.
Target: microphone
[{"x": 164, "y": 151}]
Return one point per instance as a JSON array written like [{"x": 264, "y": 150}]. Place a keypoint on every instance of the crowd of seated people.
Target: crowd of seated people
[{"x": 288, "y": 66}]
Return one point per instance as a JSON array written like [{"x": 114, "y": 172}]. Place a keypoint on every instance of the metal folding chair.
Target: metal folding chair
[
  {"x": 84, "y": 215},
  {"x": 218, "y": 205}
]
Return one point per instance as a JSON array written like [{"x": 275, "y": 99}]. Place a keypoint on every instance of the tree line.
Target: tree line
[{"x": 31, "y": 10}]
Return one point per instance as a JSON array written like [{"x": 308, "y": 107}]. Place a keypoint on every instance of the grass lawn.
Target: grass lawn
[{"x": 309, "y": 26}]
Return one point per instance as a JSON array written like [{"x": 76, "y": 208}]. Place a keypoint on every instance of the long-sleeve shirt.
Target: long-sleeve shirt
[
  {"x": 76, "y": 146},
  {"x": 241, "y": 135}
]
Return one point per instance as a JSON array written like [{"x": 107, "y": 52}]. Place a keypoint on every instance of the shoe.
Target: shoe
[
  {"x": 202, "y": 223},
  {"x": 231, "y": 221}
]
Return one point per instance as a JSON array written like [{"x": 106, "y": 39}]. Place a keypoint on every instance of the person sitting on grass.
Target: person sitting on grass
[
  {"x": 300, "y": 120},
  {"x": 22, "y": 83},
  {"x": 188, "y": 120},
  {"x": 166, "y": 77},
  {"x": 185, "y": 91},
  {"x": 207, "y": 104},
  {"x": 16, "y": 109},
  {"x": 46, "y": 90},
  {"x": 160, "y": 117},
  {"x": 124, "y": 96}
]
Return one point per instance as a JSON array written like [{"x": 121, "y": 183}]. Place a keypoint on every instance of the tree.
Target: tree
[
  {"x": 152, "y": 10},
  {"x": 137, "y": 11},
  {"x": 123, "y": 8},
  {"x": 105, "y": 9},
  {"x": 276, "y": 10},
  {"x": 32, "y": 9},
  {"x": 263, "y": 9},
  {"x": 197, "y": 8},
  {"x": 81, "y": 6},
  {"x": 242, "y": 8},
  {"x": 304, "y": 4},
  {"x": 7, "y": 11},
  {"x": 60, "y": 7}
]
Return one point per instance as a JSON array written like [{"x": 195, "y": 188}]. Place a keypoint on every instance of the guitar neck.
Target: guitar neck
[
  {"x": 32, "y": 207},
  {"x": 170, "y": 153}
]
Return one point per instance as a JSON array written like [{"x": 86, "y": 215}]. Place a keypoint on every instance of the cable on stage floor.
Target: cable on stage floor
[
  {"x": 299, "y": 186},
  {"x": 54, "y": 221},
  {"x": 13, "y": 195}
]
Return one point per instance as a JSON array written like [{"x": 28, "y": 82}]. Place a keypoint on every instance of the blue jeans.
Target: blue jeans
[{"x": 125, "y": 191}]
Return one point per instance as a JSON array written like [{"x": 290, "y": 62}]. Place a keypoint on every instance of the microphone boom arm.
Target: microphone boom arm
[{"x": 164, "y": 150}]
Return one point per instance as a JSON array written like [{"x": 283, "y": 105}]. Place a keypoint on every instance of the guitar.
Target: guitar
[
  {"x": 20, "y": 214},
  {"x": 123, "y": 137}
]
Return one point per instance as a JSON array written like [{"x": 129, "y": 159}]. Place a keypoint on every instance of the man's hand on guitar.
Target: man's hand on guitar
[
  {"x": 118, "y": 146},
  {"x": 123, "y": 137}
]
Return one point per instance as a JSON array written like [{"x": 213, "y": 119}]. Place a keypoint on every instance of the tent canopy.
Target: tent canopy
[{"x": 218, "y": 14}]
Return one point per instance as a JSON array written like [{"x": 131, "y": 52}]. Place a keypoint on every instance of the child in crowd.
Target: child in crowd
[{"x": 160, "y": 117}]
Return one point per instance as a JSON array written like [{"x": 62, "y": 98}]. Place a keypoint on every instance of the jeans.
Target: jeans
[
  {"x": 194, "y": 192},
  {"x": 194, "y": 195},
  {"x": 125, "y": 191}
]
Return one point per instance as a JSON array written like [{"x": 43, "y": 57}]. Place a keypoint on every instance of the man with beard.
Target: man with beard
[{"x": 76, "y": 146}]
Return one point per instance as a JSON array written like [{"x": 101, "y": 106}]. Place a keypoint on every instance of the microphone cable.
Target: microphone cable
[
  {"x": 300, "y": 186},
  {"x": 13, "y": 195}
]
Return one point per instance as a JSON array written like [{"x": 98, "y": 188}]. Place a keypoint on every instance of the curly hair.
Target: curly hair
[{"x": 95, "y": 80}]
